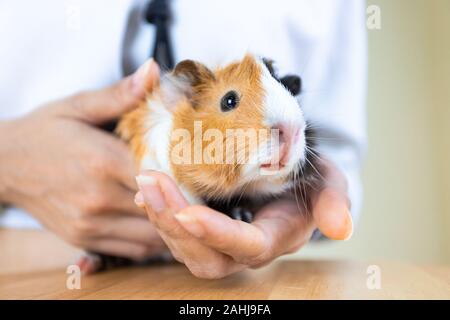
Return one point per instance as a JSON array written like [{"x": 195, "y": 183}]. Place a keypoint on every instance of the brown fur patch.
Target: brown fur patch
[
  {"x": 216, "y": 180},
  {"x": 132, "y": 130}
]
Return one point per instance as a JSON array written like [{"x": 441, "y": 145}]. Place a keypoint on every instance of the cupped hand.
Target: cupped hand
[
  {"x": 212, "y": 245},
  {"x": 76, "y": 179}
]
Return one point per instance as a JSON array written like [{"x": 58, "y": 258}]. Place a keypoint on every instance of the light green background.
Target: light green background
[{"x": 406, "y": 214}]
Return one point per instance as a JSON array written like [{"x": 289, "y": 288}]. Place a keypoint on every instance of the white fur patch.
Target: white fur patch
[
  {"x": 279, "y": 107},
  {"x": 157, "y": 140}
]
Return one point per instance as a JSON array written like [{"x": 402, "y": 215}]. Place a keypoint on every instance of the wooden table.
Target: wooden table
[{"x": 33, "y": 266}]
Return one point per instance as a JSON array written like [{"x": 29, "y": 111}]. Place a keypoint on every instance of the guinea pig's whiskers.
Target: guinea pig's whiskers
[
  {"x": 325, "y": 139},
  {"x": 314, "y": 167},
  {"x": 302, "y": 189},
  {"x": 304, "y": 193},
  {"x": 295, "y": 189},
  {"x": 313, "y": 125},
  {"x": 243, "y": 190},
  {"x": 313, "y": 152}
]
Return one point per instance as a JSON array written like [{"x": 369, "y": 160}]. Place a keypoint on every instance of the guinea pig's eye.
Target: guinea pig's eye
[{"x": 229, "y": 101}]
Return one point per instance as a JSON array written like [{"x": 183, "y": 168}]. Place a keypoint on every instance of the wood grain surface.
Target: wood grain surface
[{"x": 33, "y": 266}]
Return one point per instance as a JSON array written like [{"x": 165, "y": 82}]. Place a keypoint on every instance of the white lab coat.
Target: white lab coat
[{"x": 53, "y": 48}]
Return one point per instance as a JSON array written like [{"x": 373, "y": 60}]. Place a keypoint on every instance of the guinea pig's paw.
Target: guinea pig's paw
[
  {"x": 89, "y": 263},
  {"x": 242, "y": 214}
]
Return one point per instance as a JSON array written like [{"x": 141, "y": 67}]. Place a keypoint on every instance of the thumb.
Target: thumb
[
  {"x": 107, "y": 104},
  {"x": 331, "y": 210},
  {"x": 332, "y": 215}
]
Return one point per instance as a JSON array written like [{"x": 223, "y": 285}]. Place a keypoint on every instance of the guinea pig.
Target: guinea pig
[
  {"x": 232, "y": 138},
  {"x": 235, "y": 132}
]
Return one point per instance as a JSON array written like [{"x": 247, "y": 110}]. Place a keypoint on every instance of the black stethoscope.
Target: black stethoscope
[{"x": 158, "y": 13}]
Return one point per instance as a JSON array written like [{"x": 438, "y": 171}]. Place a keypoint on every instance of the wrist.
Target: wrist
[{"x": 5, "y": 140}]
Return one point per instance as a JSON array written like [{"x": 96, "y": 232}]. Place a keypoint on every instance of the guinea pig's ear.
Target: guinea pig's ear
[
  {"x": 248, "y": 68},
  {"x": 193, "y": 72},
  {"x": 183, "y": 80},
  {"x": 293, "y": 83},
  {"x": 270, "y": 65}
]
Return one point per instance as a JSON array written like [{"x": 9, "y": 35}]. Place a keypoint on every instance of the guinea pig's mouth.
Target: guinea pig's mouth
[
  {"x": 289, "y": 153},
  {"x": 275, "y": 162},
  {"x": 270, "y": 166}
]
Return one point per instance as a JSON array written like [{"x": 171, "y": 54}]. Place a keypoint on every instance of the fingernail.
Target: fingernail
[
  {"x": 139, "y": 199},
  {"x": 349, "y": 224},
  {"x": 151, "y": 192},
  {"x": 190, "y": 224},
  {"x": 139, "y": 77}
]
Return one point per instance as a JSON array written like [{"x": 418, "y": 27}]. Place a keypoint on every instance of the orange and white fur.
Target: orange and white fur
[{"x": 193, "y": 93}]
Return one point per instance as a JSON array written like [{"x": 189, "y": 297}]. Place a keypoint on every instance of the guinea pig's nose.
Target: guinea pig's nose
[
  {"x": 287, "y": 133},
  {"x": 287, "y": 136}
]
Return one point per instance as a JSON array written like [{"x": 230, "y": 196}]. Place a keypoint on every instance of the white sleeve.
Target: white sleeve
[{"x": 337, "y": 107}]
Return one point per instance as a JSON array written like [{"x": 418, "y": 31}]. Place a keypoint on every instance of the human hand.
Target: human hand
[
  {"x": 76, "y": 179},
  {"x": 212, "y": 245}
]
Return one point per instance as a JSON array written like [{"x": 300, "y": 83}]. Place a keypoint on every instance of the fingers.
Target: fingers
[
  {"x": 110, "y": 197},
  {"x": 277, "y": 229},
  {"x": 160, "y": 207},
  {"x": 109, "y": 156},
  {"x": 201, "y": 260},
  {"x": 238, "y": 239},
  {"x": 127, "y": 205},
  {"x": 287, "y": 228},
  {"x": 332, "y": 207},
  {"x": 160, "y": 193},
  {"x": 123, "y": 166},
  {"x": 202, "y": 237},
  {"x": 161, "y": 199},
  {"x": 107, "y": 104},
  {"x": 122, "y": 200},
  {"x": 175, "y": 199},
  {"x": 332, "y": 215},
  {"x": 121, "y": 248},
  {"x": 133, "y": 229}
]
